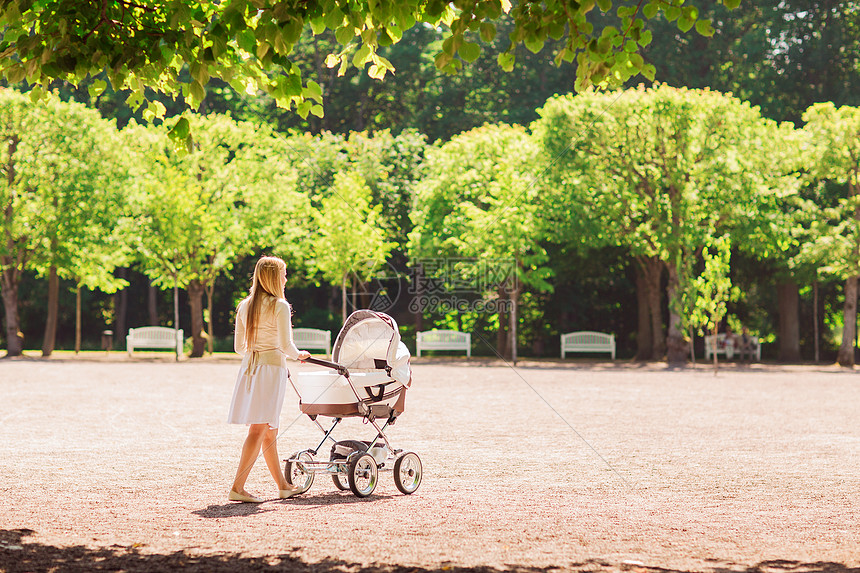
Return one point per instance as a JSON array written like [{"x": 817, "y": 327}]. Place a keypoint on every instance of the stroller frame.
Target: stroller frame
[{"x": 358, "y": 470}]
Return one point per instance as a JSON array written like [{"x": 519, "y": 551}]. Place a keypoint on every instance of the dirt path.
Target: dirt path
[{"x": 587, "y": 466}]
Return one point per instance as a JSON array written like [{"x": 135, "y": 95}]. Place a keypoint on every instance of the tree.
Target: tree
[
  {"x": 834, "y": 135},
  {"x": 62, "y": 196},
  {"x": 476, "y": 209},
  {"x": 200, "y": 211},
  {"x": 248, "y": 44},
  {"x": 780, "y": 55},
  {"x": 350, "y": 240},
  {"x": 712, "y": 290},
  {"x": 659, "y": 170}
]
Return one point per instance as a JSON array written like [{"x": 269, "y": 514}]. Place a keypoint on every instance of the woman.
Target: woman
[{"x": 264, "y": 337}]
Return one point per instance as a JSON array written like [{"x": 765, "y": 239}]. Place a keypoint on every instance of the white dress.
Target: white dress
[{"x": 260, "y": 388}]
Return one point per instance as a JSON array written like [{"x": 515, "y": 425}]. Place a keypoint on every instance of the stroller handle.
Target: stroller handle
[{"x": 333, "y": 365}]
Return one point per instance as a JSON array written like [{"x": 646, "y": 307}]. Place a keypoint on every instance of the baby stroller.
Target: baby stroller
[{"x": 370, "y": 378}]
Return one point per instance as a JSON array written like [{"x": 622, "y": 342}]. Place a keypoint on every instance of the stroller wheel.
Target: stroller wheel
[
  {"x": 341, "y": 481},
  {"x": 407, "y": 472},
  {"x": 296, "y": 474},
  {"x": 363, "y": 474}
]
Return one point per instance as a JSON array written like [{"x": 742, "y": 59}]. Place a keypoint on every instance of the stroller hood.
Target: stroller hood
[{"x": 370, "y": 341}]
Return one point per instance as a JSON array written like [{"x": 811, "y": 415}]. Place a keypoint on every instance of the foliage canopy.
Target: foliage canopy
[{"x": 176, "y": 47}]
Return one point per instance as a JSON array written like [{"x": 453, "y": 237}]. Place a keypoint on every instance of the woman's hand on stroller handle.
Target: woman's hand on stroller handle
[{"x": 304, "y": 355}]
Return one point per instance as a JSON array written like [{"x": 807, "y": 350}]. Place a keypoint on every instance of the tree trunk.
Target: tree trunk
[
  {"x": 210, "y": 338},
  {"x": 176, "y": 313},
  {"x": 343, "y": 298},
  {"x": 195, "y": 301},
  {"x": 788, "y": 300},
  {"x": 849, "y": 327},
  {"x": 644, "y": 341},
  {"x": 77, "y": 320},
  {"x": 14, "y": 338},
  {"x": 515, "y": 295},
  {"x": 714, "y": 354},
  {"x": 653, "y": 274},
  {"x": 121, "y": 306},
  {"x": 676, "y": 350},
  {"x": 9, "y": 265},
  {"x": 815, "y": 325},
  {"x": 418, "y": 299},
  {"x": 50, "y": 338},
  {"x": 649, "y": 271},
  {"x": 151, "y": 304},
  {"x": 502, "y": 334}
]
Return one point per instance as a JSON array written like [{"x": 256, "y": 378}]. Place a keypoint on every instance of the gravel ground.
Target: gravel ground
[{"x": 117, "y": 464}]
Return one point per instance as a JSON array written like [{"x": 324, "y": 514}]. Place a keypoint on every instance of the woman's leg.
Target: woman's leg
[
  {"x": 270, "y": 453},
  {"x": 250, "y": 451}
]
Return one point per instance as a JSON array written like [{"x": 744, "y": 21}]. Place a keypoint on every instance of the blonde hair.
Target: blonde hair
[{"x": 268, "y": 281}]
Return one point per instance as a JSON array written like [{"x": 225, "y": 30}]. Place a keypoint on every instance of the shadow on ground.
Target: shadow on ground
[{"x": 19, "y": 555}]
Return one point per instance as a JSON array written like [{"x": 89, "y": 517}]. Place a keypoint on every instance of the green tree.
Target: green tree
[
  {"x": 62, "y": 196},
  {"x": 711, "y": 290},
  {"x": 476, "y": 207},
  {"x": 834, "y": 136},
  {"x": 350, "y": 243},
  {"x": 250, "y": 44},
  {"x": 780, "y": 55},
  {"x": 659, "y": 171},
  {"x": 199, "y": 212}
]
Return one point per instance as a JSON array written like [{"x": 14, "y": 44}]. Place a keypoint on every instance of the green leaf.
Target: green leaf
[
  {"x": 344, "y": 34},
  {"x": 684, "y": 24},
  {"x": 97, "y": 88},
  {"x": 247, "y": 40},
  {"x": 470, "y": 51},
  {"x": 292, "y": 30},
  {"x": 197, "y": 92},
  {"x": 650, "y": 10},
  {"x": 704, "y": 28},
  {"x": 36, "y": 94},
  {"x": 181, "y": 130},
  {"x": 317, "y": 110},
  {"x": 534, "y": 44},
  {"x": 506, "y": 61},
  {"x": 604, "y": 5},
  {"x": 317, "y": 26},
  {"x": 334, "y": 19},
  {"x": 731, "y": 4},
  {"x": 488, "y": 31},
  {"x": 313, "y": 91},
  {"x": 361, "y": 56},
  {"x": 157, "y": 108}
]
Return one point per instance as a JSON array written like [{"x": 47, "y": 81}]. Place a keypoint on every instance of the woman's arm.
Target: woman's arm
[
  {"x": 285, "y": 330},
  {"x": 239, "y": 335}
]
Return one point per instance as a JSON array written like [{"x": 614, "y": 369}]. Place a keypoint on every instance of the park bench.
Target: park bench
[
  {"x": 588, "y": 341},
  {"x": 312, "y": 338},
  {"x": 153, "y": 337},
  {"x": 443, "y": 340},
  {"x": 728, "y": 347}
]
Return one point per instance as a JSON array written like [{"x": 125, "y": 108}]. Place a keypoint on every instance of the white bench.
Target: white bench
[
  {"x": 307, "y": 338},
  {"x": 153, "y": 337},
  {"x": 443, "y": 340},
  {"x": 588, "y": 341},
  {"x": 729, "y": 347}
]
